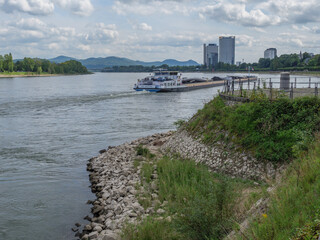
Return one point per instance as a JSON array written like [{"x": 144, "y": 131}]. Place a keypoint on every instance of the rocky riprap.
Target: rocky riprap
[
  {"x": 220, "y": 158},
  {"x": 115, "y": 181},
  {"x": 118, "y": 185}
]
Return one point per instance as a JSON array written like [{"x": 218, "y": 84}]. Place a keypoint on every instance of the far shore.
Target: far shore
[{"x": 16, "y": 75}]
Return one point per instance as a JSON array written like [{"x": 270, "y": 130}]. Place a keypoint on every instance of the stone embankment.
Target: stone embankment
[
  {"x": 115, "y": 181},
  {"x": 220, "y": 158}
]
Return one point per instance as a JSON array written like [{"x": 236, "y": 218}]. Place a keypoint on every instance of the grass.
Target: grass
[
  {"x": 144, "y": 152},
  {"x": 201, "y": 203},
  {"x": 204, "y": 205},
  {"x": 294, "y": 207},
  {"x": 150, "y": 229},
  {"x": 276, "y": 131}
]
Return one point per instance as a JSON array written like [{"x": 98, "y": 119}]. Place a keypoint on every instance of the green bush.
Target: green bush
[
  {"x": 145, "y": 152},
  {"x": 276, "y": 131}
]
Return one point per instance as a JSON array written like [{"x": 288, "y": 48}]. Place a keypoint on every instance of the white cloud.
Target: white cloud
[
  {"x": 33, "y": 7},
  {"x": 146, "y": 8},
  {"x": 142, "y": 26},
  {"x": 237, "y": 13},
  {"x": 30, "y": 23},
  {"x": 101, "y": 33},
  {"x": 294, "y": 11},
  {"x": 78, "y": 7},
  {"x": 46, "y": 7}
]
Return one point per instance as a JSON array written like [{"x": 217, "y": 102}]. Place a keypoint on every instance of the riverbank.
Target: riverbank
[
  {"x": 114, "y": 179},
  {"x": 28, "y": 74},
  {"x": 171, "y": 182}
]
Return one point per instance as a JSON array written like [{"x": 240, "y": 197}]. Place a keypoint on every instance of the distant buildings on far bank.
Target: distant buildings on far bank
[
  {"x": 210, "y": 54},
  {"x": 270, "y": 53},
  {"x": 227, "y": 49},
  {"x": 225, "y": 52}
]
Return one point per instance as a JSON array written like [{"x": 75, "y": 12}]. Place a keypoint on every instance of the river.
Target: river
[{"x": 51, "y": 126}]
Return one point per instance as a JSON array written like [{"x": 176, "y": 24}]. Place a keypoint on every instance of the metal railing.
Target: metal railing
[{"x": 271, "y": 87}]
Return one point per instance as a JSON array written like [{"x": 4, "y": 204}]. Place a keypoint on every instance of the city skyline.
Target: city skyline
[{"x": 143, "y": 30}]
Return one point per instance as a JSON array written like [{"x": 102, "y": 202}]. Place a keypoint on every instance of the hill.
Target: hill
[{"x": 100, "y": 63}]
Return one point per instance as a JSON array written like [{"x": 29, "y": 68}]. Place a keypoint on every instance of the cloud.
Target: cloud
[
  {"x": 30, "y": 24},
  {"x": 33, "y": 7},
  {"x": 101, "y": 33},
  {"x": 294, "y": 11},
  {"x": 237, "y": 13},
  {"x": 78, "y": 7},
  {"x": 143, "y": 7},
  {"x": 143, "y": 27},
  {"x": 46, "y": 7}
]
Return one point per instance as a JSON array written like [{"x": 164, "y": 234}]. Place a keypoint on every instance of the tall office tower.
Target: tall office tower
[
  {"x": 227, "y": 49},
  {"x": 210, "y": 54},
  {"x": 270, "y": 53}
]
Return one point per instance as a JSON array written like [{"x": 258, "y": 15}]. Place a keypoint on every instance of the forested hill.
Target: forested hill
[{"x": 101, "y": 63}]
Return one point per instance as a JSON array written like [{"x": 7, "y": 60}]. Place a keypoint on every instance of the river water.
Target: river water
[{"x": 51, "y": 126}]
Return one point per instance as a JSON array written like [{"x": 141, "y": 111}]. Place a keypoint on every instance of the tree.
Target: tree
[
  {"x": 39, "y": 70},
  {"x": 1, "y": 63}
]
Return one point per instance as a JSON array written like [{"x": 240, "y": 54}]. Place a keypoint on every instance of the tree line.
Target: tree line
[
  {"x": 286, "y": 62},
  {"x": 37, "y": 65}
]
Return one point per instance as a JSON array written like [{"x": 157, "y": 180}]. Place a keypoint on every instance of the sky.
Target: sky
[{"x": 155, "y": 30}]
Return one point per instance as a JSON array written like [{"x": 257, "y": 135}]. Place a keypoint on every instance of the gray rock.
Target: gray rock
[
  {"x": 118, "y": 210},
  {"x": 87, "y": 227},
  {"x": 85, "y": 237},
  {"x": 97, "y": 228},
  {"x": 160, "y": 211},
  {"x": 93, "y": 235}
]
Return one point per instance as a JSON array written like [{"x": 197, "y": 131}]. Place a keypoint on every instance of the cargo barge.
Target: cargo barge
[{"x": 171, "y": 81}]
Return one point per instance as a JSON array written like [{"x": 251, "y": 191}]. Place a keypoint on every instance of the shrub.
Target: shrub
[{"x": 275, "y": 131}]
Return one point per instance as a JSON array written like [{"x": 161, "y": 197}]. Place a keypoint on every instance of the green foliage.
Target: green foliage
[
  {"x": 150, "y": 229},
  {"x": 145, "y": 152},
  {"x": 295, "y": 203},
  {"x": 310, "y": 231},
  {"x": 202, "y": 204},
  {"x": 275, "y": 131},
  {"x": 147, "y": 170},
  {"x": 38, "y": 66},
  {"x": 179, "y": 123}
]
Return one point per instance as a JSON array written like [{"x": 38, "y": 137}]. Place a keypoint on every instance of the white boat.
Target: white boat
[{"x": 162, "y": 80}]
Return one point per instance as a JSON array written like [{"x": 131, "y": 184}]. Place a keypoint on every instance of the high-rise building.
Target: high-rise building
[
  {"x": 210, "y": 54},
  {"x": 270, "y": 53},
  {"x": 227, "y": 49}
]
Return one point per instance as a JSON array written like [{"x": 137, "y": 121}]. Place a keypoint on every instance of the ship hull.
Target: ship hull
[{"x": 184, "y": 88}]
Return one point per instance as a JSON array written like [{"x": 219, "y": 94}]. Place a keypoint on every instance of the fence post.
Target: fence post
[
  {"x": 316, "y": 89},
  {"x": 241, "y": 89},
  {"x": 270, "y": 83},
  {"x": 295, "y": 82},
  {"x": 270, "y": 89},
  {"x": 309, "y": 82},
  {"x": 232, "y": 87},
  {"x": 291, "y": 91},
  {"x": 259, "y": 83},
  {"x": 248, "y": 83}
]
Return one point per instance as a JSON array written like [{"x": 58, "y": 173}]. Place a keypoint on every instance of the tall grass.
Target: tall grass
[
  {"x": 276, "y": 131},
  {"x": 295, "y": 202},
  {"x": 200, "y": 203}
]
